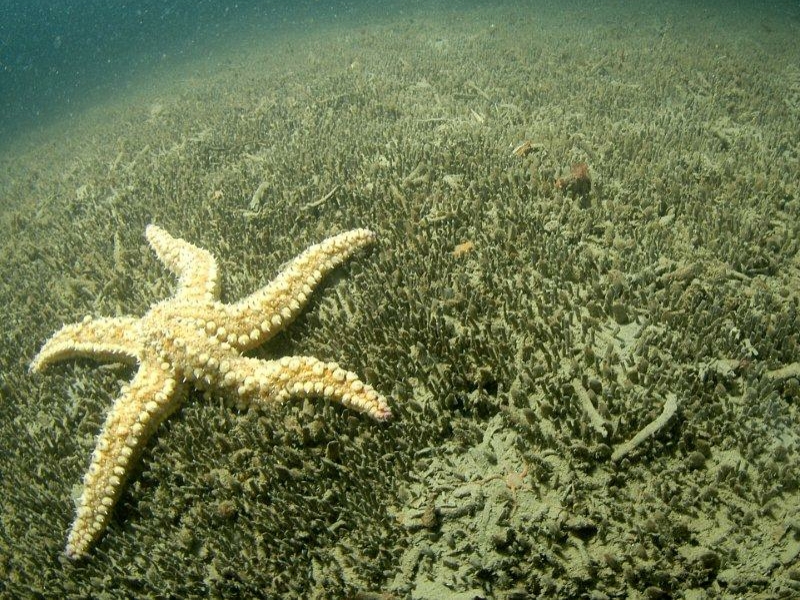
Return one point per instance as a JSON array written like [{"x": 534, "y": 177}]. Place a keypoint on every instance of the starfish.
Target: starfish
[{"x": 194, "y": 338}]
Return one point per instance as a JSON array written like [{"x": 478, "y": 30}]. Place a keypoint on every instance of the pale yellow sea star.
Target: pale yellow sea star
[{"x": 192, "y": 337}]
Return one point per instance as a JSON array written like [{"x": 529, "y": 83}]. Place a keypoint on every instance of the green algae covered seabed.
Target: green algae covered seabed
[{"x": 582, "y": 308}]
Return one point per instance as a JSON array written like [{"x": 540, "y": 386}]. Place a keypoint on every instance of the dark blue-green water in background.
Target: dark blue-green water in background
[{"x": 57, "y": 56}]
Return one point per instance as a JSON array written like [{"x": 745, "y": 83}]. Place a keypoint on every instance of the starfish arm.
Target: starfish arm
[
  {"x": 143, "y": 405},
  {"x": 105, "y": 338},
  {"x": 253, "y": 320},
  {"x": 257, "y": 382},
  {"x": 196, "y": 268}
]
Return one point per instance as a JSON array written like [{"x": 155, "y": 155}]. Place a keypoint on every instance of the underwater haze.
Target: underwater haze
[
  {"x": 400, "y": 300},
  {"x": 57, "y": 58}
]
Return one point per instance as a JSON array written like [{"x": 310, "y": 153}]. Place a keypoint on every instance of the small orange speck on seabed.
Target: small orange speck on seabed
[{"x": 463, "y": 248}]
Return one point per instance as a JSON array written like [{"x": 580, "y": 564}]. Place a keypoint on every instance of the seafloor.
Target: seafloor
[{"x": 526, "y": 313}]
